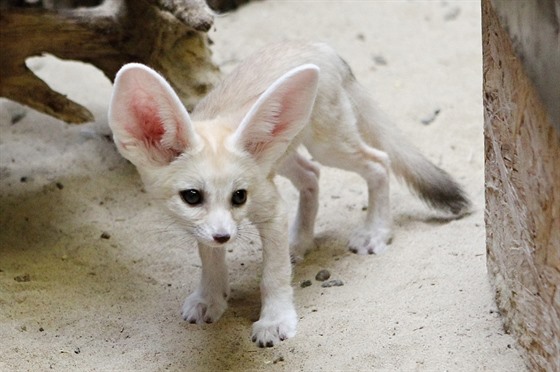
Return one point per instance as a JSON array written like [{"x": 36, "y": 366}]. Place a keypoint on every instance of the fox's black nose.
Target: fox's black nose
[{"x": 221, "y": 238}]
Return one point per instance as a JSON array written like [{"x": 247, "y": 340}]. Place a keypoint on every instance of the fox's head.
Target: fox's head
[{"x": 209, "y": 174}]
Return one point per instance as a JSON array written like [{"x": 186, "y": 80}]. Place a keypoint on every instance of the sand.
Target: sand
[{"x": 93, "y": 275}]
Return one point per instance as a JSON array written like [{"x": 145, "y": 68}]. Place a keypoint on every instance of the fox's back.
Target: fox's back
[{"x": 252, "y": 77}]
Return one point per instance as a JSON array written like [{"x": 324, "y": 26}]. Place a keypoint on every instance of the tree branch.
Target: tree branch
[{"x": 168, "y": 35}]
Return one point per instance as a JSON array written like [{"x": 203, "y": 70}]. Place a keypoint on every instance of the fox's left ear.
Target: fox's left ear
[
  {"x": 150, "y": 125},
  {"x": 279, "y": 115}
]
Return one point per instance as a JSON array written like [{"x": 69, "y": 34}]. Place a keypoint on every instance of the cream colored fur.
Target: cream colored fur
[{"x": 238, "y": 138}]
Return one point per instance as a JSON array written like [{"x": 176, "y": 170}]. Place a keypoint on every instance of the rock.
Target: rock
[
  {"x": 323, "y": 275},
  {"x": 332, "y": 283}
]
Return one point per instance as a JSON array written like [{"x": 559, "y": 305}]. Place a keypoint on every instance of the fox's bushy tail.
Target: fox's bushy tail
[{"x": 429, "y": 182}]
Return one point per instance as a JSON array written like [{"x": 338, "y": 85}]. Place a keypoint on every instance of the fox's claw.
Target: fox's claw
[
  {"x": 267, "y": 333},
  {"x": 198, "y": 309},
  {"x": 369, "y": 242}
]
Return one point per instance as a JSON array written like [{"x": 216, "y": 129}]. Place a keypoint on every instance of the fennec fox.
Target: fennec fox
[{"x": 214, "y": 169}]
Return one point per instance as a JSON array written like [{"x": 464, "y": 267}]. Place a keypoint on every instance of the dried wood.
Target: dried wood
[
  {"x": 522, "y": 200},
  {"x": 225, "y": 5},
  {"x": 168, "y": 35}
]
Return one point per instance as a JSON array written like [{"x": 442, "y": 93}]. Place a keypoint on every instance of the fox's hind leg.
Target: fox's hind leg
[
  {"x": 375, "y": 234},
  {"x": 337, "y": 139},
  {"x": 373, "y": 165},
  {"x": 304, "y": 175}
]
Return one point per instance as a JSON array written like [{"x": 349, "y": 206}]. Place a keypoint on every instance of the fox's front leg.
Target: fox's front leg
[
  {"x": 209, "y": 301},
  {"x": 278, "y": 318}
]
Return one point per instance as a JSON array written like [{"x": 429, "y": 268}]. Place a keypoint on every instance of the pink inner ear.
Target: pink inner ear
[
  {"x": 148, "y": 126},
  {"x": 284, "y": 116}
]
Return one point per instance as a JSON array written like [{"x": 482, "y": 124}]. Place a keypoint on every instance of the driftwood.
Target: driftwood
[
  {"x": 168, "y": 35},
  {"x": 225, "y": 5},
  {"x": 522, "y": 197}
]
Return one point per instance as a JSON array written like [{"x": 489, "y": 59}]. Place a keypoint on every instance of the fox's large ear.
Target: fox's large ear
[
  {"x": 150, "y": 125},
  {"x": 278, "y": 115}
]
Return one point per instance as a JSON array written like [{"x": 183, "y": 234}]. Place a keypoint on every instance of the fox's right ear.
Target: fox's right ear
[
  {"x": 150, "y": 125},
  {"x": 278, "y": 115}
]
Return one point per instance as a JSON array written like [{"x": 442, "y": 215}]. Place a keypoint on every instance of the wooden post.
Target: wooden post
[{"x": 522, "y": 157}]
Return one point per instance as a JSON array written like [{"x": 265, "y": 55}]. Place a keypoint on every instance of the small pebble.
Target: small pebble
[
  {"x": 23, "y": 278},
  {"x": 332, "y": 283},
  {"x": 279, "y": 359},
  {"x": 59, "y": 186},
  {"x": 380, "y": 60},
  {"x": 452, "y": 14},
  {"x": 431, "y": 118},
  {"x": 17, "y": 116},
  {"x": 305, "y": 283},
  {"x": 323, "y": 275},
  {"x": 105, "y": 235}
]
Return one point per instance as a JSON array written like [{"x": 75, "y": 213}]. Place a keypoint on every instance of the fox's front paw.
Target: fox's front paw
[
  {"x": 370, "y": 242},
  {"x": 269, "y": 332},
  {"x": 204, "y": 309}
]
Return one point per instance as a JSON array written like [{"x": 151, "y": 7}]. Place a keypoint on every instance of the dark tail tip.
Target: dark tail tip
[{"x": 444, "y": 193}]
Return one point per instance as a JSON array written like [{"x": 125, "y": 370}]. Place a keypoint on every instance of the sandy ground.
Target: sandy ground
[{"x": 92, "y": 276}]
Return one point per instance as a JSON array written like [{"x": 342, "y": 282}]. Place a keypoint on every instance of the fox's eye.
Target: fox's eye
[
  {"x": 239, "y": 197},
  {"x": 191, "y": 196}
]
